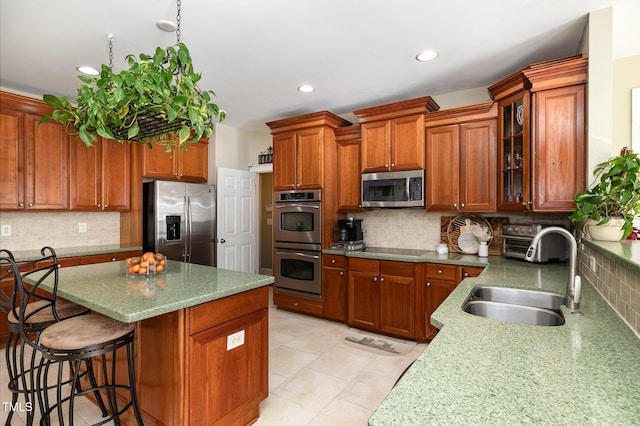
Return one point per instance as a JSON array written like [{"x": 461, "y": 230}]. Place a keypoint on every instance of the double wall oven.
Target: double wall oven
[{"x": 297, "y": 236}]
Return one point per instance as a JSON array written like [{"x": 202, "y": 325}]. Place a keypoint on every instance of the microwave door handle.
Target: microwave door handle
[{"x": 407, "y": 186}]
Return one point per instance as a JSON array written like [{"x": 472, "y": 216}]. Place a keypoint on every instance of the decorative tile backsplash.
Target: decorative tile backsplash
[
  {"x": 401, "y": 228},
  {"x": 617, "y": 284},
  {"x": 59, "y": 229}
]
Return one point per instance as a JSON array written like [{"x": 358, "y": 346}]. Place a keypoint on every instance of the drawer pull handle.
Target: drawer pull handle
[
  {"x": 333, "y": 261},
  {"x": 439, "y": 271}
]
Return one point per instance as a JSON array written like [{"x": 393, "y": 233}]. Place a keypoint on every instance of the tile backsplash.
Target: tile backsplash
[
  {"x": 401, "y": 228},
  {"x": 59, "y": 229},
  {"x": 618, "y": 285}
]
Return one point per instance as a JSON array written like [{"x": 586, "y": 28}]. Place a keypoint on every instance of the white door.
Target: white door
[{"x": 237, "y": 229}]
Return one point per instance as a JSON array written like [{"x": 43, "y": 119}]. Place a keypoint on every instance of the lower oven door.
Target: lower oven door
[{"x": 298, "y": 271}]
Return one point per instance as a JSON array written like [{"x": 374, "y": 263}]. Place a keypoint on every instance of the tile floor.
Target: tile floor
[{"x": 314, "y": 377}]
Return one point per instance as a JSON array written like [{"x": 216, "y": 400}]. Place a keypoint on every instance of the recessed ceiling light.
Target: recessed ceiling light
[
  {"x": 167, "y": 26},
  {"x": 88, "y": 70},
  {"x": 427, "y": 55},
  {"x": 306, "y": 88}
]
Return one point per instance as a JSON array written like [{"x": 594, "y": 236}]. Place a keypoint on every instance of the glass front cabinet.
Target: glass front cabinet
[{"x": 514, "y": 159}]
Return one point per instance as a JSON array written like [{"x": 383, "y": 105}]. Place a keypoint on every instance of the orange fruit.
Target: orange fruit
[
  {"x": 131, "y": 271},
  {"x": 159, "y": 268},
  {"x": 144, "y": 264},
  {"x": 135, "y": 268},
  {"x": 162, "y": 262},
  {"x": 142, "y": 271}
]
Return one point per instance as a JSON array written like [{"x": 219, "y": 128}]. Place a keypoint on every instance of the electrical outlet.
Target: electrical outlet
[
  {"x": 82, "y": 227},
  {"x": 5, "y": 231},
  {"x": 234, "y": 340},
  {"x": 592, "y": 263}
]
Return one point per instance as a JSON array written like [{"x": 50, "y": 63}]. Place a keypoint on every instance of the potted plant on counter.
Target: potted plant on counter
[{"x": 608, "y": 207}]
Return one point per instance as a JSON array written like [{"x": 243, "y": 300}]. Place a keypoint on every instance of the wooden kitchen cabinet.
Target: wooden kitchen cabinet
[
  {"x": 304, "y": 152},
  {"x": 100, "y": 176},
  {"x": 334, "y": 287},
  {"x": 381, "y": 296},
  {"x": 541, "y": 136},
  {"x": 349, "y": 179},
  {"x": 461, "y": 151},
  {"x": 393, "y": 136},
  {"x": 34, "y": 168},
  {"x": 191, "y": 165}
]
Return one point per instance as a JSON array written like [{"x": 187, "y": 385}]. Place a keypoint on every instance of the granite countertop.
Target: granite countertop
[
  {"x": 105, "y": 288},
  {"x": 26, "y": 255},
  {"x": 482, "y": 371}
]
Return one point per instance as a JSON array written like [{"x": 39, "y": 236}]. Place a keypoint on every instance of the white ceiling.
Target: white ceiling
[{"x": 254, "y": 53}]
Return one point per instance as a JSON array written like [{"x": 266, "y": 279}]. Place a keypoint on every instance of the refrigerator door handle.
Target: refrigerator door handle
[{"x": 187, "y": 216}]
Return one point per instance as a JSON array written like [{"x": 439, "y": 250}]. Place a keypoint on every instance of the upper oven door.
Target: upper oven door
[{"x": 298, "y": 222}]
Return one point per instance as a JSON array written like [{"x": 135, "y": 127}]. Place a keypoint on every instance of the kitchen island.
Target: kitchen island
[
  {"x": 480, "y": 371},
  {"x": 201, "y": 337}
]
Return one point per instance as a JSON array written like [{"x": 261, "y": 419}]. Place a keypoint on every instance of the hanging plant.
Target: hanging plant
[{"x": 156, "y": 100}]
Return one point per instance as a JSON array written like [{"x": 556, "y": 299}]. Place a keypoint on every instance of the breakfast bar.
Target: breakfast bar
[{"x": 201, "y": 336}]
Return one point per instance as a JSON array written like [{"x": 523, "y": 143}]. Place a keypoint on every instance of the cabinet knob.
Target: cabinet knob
[
  {"x": 386, "y": 165},
  {"x": 375, "y": 278},
  {"x": 113, "y": 259},
  {"x": 428, "y": 284},
  {"x": 359, "y": 206},
  {"x": 393, "y": 165},
  {"x": 333, "y": 261},
  {"x": 462, "y": 205},
  {"x": 466, "y": 274},
  {"x": 99, "y": 205},
  {"x": 295, "y": 303},
  {"x": 455, "y": 205},
  {"x": 106, "y": 205},
  {"x": 439, "y": 271},
  {"x": 341, "y": 273},
  {"x": 381, "y": 279},
  {"x": 30, "y": 204},
  {"x": 21, "y": 205}
]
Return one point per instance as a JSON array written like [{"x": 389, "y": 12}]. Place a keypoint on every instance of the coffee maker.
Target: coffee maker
[{"x": 349, "y": 235}]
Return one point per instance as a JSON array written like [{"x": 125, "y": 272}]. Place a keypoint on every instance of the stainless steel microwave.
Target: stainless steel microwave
[{"x": 393, "y": 189}]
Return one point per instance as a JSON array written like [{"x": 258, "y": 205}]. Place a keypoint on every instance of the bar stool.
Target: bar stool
[
  {"x": 77, "y": 341},
  {"x": 43, "y": 311}
]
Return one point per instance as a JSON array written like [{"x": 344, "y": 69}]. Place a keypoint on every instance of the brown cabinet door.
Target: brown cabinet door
[
  {"x": 194, "y": 163},
  {"x": 478, "y": 166},
  {"x": 442, "y": 171},
  {"x": 47, "y": 155},
  {"x": 435, "y": 292},
  {"x": 284, "y": 161},
  {"x": 364, "y": 300},
  {"x": 310, "y": 158},
  {"x": 158, "y": 163},
  {"x": 349, "y": 178},
  {"x": 407, "y": 143},
  {"x": 12, "y": 168},
  {"x": 223, "y": 381},
  {"x": 116, "y": 175},
  {"x": 376, "y": 146},
  {"x": 397, "y": 305},
  {"x": 559, "y": 155},
  {"x": 85, "y": 170},
  {"x": 334, "y": 293}
]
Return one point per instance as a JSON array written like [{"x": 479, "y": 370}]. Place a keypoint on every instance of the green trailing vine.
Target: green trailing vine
[{"x": 156, "y": 100}]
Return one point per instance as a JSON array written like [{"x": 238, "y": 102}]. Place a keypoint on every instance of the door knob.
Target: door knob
[{"x": 222, "y": 241}]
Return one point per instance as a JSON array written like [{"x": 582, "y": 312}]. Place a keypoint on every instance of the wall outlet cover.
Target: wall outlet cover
[
  {"x": 5, "y": 231},
  {"x": 234, "y": 340}
]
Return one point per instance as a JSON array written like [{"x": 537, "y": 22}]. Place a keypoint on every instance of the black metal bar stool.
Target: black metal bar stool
[
  {"x": 44, "y": 310},
  {"x": 80, "y": 341}
]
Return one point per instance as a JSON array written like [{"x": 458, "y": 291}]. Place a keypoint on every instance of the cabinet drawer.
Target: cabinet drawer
[
  {"x": 399, "y": 269},
  {"x": 441, "y": 272},
  {"x": 470, "y": 271},
  {"x": 107, "y": 257},
  {"x": 364, "y": 265},
  {"x": 298, "y": 303},
  {"x": 334, "y": 261}
]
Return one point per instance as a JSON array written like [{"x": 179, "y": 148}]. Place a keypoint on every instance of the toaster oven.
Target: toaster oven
[{"x": 516, "y": 239}]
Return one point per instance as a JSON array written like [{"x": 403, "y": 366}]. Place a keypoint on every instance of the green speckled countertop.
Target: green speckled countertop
[
  {"x": 479, "y": 371},
  {"x": 26, "y": 255},
  {"x": 104, "y": 288},
  {"x": 626, "y": 252}
]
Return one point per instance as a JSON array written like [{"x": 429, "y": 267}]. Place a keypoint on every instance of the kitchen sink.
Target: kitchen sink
[
  {"x": 516, "y": 305},
  {"x": 518, "y": 296},
  {"x": 514, "y": 313}
]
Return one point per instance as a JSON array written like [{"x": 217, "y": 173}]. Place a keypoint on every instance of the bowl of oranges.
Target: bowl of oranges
[{"x": 146, "y": 265}]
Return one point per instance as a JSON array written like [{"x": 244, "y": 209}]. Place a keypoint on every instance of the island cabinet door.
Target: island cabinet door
[{"x": 228, "y": 371}]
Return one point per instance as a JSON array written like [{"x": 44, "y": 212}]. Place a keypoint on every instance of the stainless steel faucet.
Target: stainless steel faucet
[{"x": 574, "y": 283}]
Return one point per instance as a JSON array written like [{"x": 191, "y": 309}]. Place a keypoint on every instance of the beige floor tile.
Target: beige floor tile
[
  {"x": 343, "y": 413},
  {"x": 367, "y": 390},
  {"x": 276, "y": 411},
  {"x": 343, "y": 362},
  {"x": 286, "y": 361},
  {"x": 311, "y": 389}
]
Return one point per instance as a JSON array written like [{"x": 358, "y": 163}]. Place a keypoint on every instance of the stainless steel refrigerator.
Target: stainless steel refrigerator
[{"x": 179, "y": 221}]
